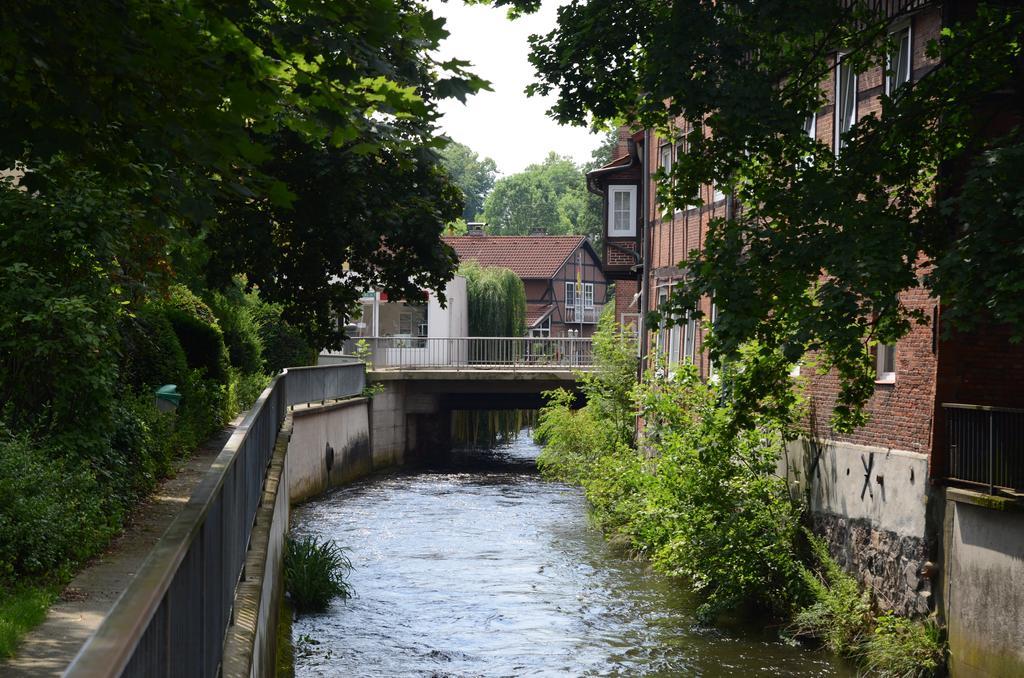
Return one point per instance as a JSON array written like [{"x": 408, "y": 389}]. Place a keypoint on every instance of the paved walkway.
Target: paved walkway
[{"x": 74, "y": 617}]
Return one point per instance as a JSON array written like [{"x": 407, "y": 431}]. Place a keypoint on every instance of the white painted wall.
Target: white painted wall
[{"x": 896, "y": 495}]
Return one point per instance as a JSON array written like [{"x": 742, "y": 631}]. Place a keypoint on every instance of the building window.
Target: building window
[
  {"x": 811, "y": 126},
  {"x": 542, "y": 329},
  {"x": 588, "y": 295},
  {"x": 662, "y": 331},
  {"x": 716, "y": 193},
  {"x": 578, "y": 298},
  {"x": 690, "y": 339},
  {"x": 622, "y": 211},
  {"x": 665, "y": 158},
  {"x": 846, "y": 100},
  {"x": 898, "y": 62},
  {"x": 885, "y": 363}
]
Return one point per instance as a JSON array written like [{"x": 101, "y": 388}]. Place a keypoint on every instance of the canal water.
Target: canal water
[{"x": 475, "y": 566}]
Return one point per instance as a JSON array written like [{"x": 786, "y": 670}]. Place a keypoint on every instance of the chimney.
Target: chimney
[
  {"x": 538, "y": 230},
  {"x": 475, "y": 227}
]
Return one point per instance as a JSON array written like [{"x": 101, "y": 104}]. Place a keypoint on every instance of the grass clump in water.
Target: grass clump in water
[{"x": 315, "y": 573}]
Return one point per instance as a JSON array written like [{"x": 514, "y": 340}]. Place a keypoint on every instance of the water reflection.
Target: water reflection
[{"x": 475, "y": 566}]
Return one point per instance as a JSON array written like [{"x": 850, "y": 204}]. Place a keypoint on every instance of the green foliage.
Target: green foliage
[
  {"x": 21, "y": 609},
  {"x": 58, "y": 306},
  {"x": 248, "y": 388},
  {"x": 473, "y": 175},
  {"x": 497, "y": 301},
  {"x": 314, "y": 573},
  {"x": 199, "y": 333},
  {"x": 51, "y": 511},
  {"x": 904, "y": 648},
  {"x": 551, "y": 196},
  {"x": 825, "y": 243},
  {"x": 840, "y": 615},
  {"x": 236, "y": 315},
  {"x": 283, "y": 344},
  {"x": 716, "y": 513},
  {"x": 151, "y": 354}
]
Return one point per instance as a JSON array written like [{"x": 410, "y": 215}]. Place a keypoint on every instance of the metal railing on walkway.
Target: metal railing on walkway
[
  {"x": 986, "y": 446},
  {"x": 517, "y": 353},
  {"x": 172, "y": 618}
]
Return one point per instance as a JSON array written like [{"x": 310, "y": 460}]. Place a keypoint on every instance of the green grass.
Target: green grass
[
  {"x": 21, "y": 609},
  {"x": 314, "y": 573}
]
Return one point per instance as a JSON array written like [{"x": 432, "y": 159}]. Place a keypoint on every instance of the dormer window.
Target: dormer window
[{"x": 622, "y": 211}]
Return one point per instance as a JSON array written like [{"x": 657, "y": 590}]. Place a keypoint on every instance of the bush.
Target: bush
[
  {"x": 51, "y": 511},
  {"x": 283, "y": 345},
  {"x": 904, "y": 648},
  {"x": 235, "y": 314},
  {"x": 200, "y": 335},
  {"x": 247, "y": 388},
  {"x": 840, "y": 614},
  {"x": 151, "y": 354},
  {"x": 314, "y": 573}
]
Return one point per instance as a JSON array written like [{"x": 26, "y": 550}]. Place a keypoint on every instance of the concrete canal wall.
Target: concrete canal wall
[
  {"x": 870, "y": 505},
  {"x": 320, "y": 447},
  {"x": 983, "y": 588}
]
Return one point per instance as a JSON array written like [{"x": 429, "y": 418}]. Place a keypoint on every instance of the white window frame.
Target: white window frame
[
  {"x": 812, "y": 129},
  {"x": 588, "y": 295},
  {"x": 890, "y": 73},
  {"x": 836, "y": 115},
  {"x": 662, "y": 339},
  {"x": 883, "y": 375},
  {"x": 543, "y": 329},
  {"x": 690, "y": 339},
  {"x": 716, "y": 193},
  {"x": 628, "y": 232}
]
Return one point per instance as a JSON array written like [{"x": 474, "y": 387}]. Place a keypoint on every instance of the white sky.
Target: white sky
[{"x": 504, "y": 124}]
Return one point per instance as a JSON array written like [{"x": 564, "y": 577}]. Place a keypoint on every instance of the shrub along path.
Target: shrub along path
[{"x": 78, "y": 611}]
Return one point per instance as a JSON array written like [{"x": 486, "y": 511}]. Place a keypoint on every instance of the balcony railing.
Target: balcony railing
[
  {"x": 986, "y": 446},
  {"x": 586, "y": 315},
  {"x": 475, "y": 352}
]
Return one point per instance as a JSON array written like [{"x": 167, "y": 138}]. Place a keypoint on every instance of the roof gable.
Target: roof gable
[{"x": 528, "y": 256}]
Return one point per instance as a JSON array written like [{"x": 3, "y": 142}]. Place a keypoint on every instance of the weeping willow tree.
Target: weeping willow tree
[{"x": 497, "y": 301}]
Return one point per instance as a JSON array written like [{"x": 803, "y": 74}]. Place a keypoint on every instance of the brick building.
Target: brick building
[{"x": 902, "y": 500}]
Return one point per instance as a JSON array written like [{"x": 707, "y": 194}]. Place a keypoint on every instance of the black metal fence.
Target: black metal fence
[
  {"x": 172, "y": 618},
  {"x": 986, "y": 446}
]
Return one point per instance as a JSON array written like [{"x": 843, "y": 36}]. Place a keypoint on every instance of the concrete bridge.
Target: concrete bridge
[{"x": 422, "y": 380}]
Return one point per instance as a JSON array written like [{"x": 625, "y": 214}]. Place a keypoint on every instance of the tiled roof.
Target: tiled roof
[
  {"x": 528, "y": 256},
  {"x": 537, "y": 312}
]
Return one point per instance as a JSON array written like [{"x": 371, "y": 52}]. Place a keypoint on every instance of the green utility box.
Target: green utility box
[{"x": 167, "y": 398}]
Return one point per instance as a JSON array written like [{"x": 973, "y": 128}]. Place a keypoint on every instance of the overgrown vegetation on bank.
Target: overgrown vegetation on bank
[
  {"x": 699, "y": 495},
  {"x": 81, "y": 438}
]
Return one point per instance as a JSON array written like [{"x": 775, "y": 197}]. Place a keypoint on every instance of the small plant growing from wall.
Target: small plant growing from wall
[
  {"x": 315, "y": 573},
  {"x": 363, "y": 352}
]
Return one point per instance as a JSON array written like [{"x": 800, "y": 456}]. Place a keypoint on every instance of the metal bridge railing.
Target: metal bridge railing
[
  {"x": 477, "y": 352},
  {"x": 986, "y": 446},
  {"x": 173, "y": 617}
]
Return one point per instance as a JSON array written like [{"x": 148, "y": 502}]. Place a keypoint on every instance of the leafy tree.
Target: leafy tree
[
  {"x": 472, "y": 174},
  {"x": 551, "y": 195},
  {"x": 820, "y": 247},
  {"x": 223, "y": 118}
]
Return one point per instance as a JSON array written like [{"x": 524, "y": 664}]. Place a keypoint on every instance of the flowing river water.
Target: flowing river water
[{"x": 475, "y": 566}]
